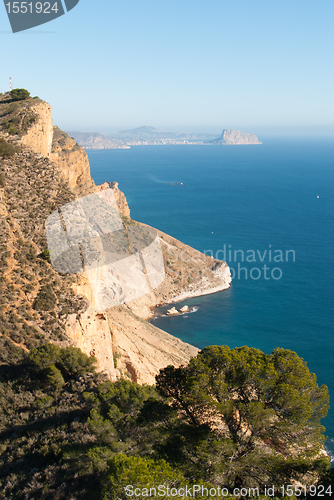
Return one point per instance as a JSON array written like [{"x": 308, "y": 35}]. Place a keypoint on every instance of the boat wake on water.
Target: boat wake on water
[{"x": 171, "y": 183}]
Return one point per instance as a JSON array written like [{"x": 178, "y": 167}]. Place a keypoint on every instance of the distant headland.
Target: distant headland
[
  {"x": 236, "y": 137},
  {"x": 148, "y": 136}
]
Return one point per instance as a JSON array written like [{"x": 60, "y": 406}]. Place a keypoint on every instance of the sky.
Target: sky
[{"x": 261, "y": 66}]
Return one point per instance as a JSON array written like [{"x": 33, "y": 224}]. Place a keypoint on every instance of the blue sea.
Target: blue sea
[{"x": 271, "y": 204}]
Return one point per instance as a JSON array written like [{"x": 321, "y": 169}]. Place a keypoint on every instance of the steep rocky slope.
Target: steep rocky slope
[
  {"x": 72, "y": 161},
  {"x": 39, "y": 304}
]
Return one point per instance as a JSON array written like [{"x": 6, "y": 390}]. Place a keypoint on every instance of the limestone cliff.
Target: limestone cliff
[
  {"x": 236, "y": 137},
  {"x": 39, "y": 135},
  {"x": 141, "y": 349},
  {"x": 121, "y": 200},
  {"x": 72, "y": 161},
  {"x": 41, "y": 304},
  {"x": 30, "y": 121},
  {"x": 188, "y": 273}
]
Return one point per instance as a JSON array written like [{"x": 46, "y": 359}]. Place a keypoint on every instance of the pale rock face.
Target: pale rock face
[
  {"x": 91, "y": 332},
  {"x": 172, "y": 311},
  {"x": 120, "y": 198},
  {"x": 142, "y": 349},
  {"x": 39, "y": 136},
  {"x": 3, "y": 207},
  {"x": 72, "y": 161},
  {"x": 120, "y": 334},
  {"x": 199, "y": 275},
  {"x": 139, "y": 348}
]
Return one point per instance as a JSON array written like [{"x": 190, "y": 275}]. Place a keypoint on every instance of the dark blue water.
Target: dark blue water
[{"x": 273, "y": 204}]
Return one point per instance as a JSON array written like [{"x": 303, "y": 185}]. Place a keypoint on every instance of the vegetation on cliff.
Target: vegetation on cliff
[
  {"x": 19, "y": 94},
  {"x": 231, "y": 418},
  {"x": 16, "y": 115},
  {"x": 34, "y": 299}
]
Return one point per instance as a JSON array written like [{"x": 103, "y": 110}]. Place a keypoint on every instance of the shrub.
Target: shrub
[
  {"x": 45, "y": 255},
  {"x": 45, "y": 300},
  {"x": 44, "y": 356},
  {"x": 57, "y": 364},
  {"x": 54, "y": 377},
  {"x": 6, "y": 149},
  {"x": 75, "y": 362},
  {"x": 19, "y": 94},
  {"x": 139, "y": 471}
]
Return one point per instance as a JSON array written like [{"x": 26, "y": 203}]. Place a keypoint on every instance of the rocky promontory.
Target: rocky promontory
[
  {"x": 41, "y": 170},
  {"x": 236, "y": 137}
]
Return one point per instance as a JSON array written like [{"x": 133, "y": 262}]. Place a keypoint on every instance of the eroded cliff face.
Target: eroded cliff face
[
  {"x": 188, "y": 273},
  {"x": 141, "y": 349},
  {"x": 72, "y": 161},
  {"x": 120, "y": 198},
  {"x": 61, "y": 308},
  {"x": 33, "y": 120},
  {"x": 91, "y": 332},
  {"x": 39, "y": 135}
]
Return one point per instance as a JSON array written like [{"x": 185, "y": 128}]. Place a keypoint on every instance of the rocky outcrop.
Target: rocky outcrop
[
  {"x": 172, "y": 311},
  {"x": 120, "y": 198},
  {"x": 39, "y": 135},
  {"x": 141, "y": 349},
  {"x": 91, "y": 332},
  {"x": 60, "y": 307},
  {"x": 72, "y": 161},
  {"x": 126, "y": 345},
  {"x": 236, "y": 137},
  {"x": 188, "y": 273}
]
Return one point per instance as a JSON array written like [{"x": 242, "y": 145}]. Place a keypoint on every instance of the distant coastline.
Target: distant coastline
[{"x": 150, "y": 136}]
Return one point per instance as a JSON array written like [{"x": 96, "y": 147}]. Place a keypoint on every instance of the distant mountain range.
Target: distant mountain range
[
  {"x": 146, "y": 135},
  {"x": 97, "y": 140}
]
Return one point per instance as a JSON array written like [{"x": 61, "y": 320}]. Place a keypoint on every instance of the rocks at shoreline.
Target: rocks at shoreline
[{"x": 173, "y": 311}]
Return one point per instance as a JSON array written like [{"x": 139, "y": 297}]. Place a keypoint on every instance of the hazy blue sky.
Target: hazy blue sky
[{"x": 258, "y": 66}]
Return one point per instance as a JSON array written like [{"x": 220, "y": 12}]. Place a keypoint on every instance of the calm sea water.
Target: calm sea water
[{"x": 265, "y": 202}]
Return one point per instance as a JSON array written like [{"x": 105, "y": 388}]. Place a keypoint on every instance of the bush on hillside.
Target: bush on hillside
[
  {"x": 19, "y": 94},
  {"x": 45, "y": 300},
  {"x": 6, "y": 149}
]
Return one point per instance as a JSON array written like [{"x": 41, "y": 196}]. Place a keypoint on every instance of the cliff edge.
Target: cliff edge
[{"x": 45, "y": 170}]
